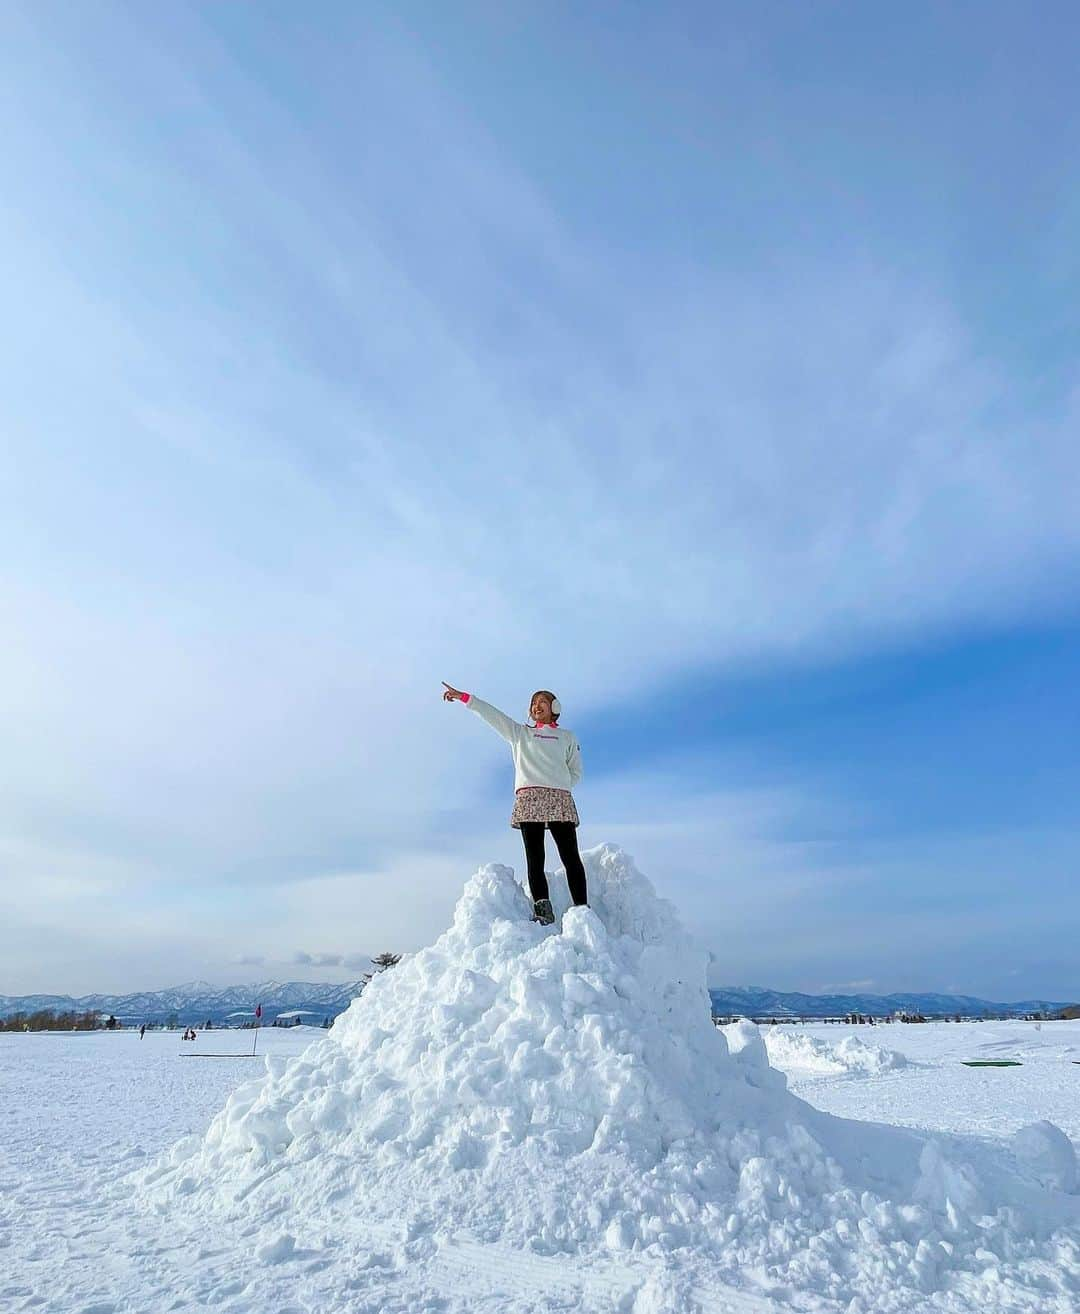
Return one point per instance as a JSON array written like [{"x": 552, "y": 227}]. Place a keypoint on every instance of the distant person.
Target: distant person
[
  {"x": 142, "y": 1031},
  {"x": 547, "y": 765}
]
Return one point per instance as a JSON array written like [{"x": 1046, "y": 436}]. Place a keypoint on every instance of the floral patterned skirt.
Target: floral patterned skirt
[{"x": 537, "y": 803}]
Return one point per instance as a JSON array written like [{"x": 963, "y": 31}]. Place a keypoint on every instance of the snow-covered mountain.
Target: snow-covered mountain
[
  {"x": 756, "y": 1001},
  {"x": 198, "y": 1000}
]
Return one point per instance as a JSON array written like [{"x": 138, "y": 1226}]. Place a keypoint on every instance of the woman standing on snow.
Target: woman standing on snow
[{"x": 547, "y": 765}]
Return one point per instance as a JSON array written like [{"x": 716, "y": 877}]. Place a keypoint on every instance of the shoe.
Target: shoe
[{"x": 543, "y": 912}]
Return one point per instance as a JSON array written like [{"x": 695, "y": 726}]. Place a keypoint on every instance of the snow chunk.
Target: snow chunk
[
  {"x": 277, "y": 1249},
  {"x": 1047, "y": 1154}
]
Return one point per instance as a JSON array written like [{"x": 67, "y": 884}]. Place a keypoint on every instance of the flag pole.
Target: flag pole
[{"x": 255, "y": 1040}]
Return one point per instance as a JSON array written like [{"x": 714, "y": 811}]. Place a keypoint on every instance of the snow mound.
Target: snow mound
[
  {"x": 794, "y": 1051},
  {"x": 563, "y": 1090}
]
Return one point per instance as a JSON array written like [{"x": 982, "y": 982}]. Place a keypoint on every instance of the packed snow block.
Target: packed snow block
[
  {"x": 747, "y": 1047},
  {"x": 1047, "y": 1154},
  {"x": 948, "y": 1188}
]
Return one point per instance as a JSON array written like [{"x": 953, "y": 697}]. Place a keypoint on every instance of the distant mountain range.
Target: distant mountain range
[
  {"x": 197, "y": 1001},
  {"x": 755, "y": 1001}
]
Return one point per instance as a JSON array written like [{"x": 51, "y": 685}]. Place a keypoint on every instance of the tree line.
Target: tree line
[{"x": 45, "y": 1019}]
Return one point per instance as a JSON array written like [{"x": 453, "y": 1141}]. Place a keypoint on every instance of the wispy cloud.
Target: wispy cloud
[{"x": 316, "y": 960}]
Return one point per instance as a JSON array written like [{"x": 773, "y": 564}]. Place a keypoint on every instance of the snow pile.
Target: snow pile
[
  {"x": 563, "y": 1090},
  {"x": 794, "y": 1051}
]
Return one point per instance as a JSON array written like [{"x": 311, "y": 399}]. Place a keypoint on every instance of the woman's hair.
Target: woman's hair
[{"x": 551, "y": 699}]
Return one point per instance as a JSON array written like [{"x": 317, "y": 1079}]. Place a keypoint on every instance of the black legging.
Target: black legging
[{"x": 564, "y": 834}]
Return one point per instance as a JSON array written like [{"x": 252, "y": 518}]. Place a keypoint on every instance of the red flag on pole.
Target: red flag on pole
[{"x": 258, "y": 1010}]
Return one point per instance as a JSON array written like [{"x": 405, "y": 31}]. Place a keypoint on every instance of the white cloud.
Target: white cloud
[{"x": 228, "y": 606}]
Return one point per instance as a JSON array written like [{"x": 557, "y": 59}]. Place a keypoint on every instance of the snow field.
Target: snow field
[
  {"x": 561, "y": 1092},
  {"x": 935, "y": 1093}
]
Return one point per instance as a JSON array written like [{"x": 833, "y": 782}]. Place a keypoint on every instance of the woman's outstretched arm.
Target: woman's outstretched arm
[{"x": 499, "y": 721}]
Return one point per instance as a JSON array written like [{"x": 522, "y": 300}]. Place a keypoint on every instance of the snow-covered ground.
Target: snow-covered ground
[
  {"x": 933, "y": 1091},
  {"x": 522, "y": 1120}
]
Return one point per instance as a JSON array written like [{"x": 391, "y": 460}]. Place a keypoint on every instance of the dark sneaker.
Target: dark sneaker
[{"x": 543, "y": 912}]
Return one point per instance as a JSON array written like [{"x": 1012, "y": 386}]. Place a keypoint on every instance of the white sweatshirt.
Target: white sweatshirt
[{"x": 545, "y": 756}]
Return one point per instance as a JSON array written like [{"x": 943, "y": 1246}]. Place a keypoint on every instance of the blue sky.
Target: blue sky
[{"x": 716, "y": 368}]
